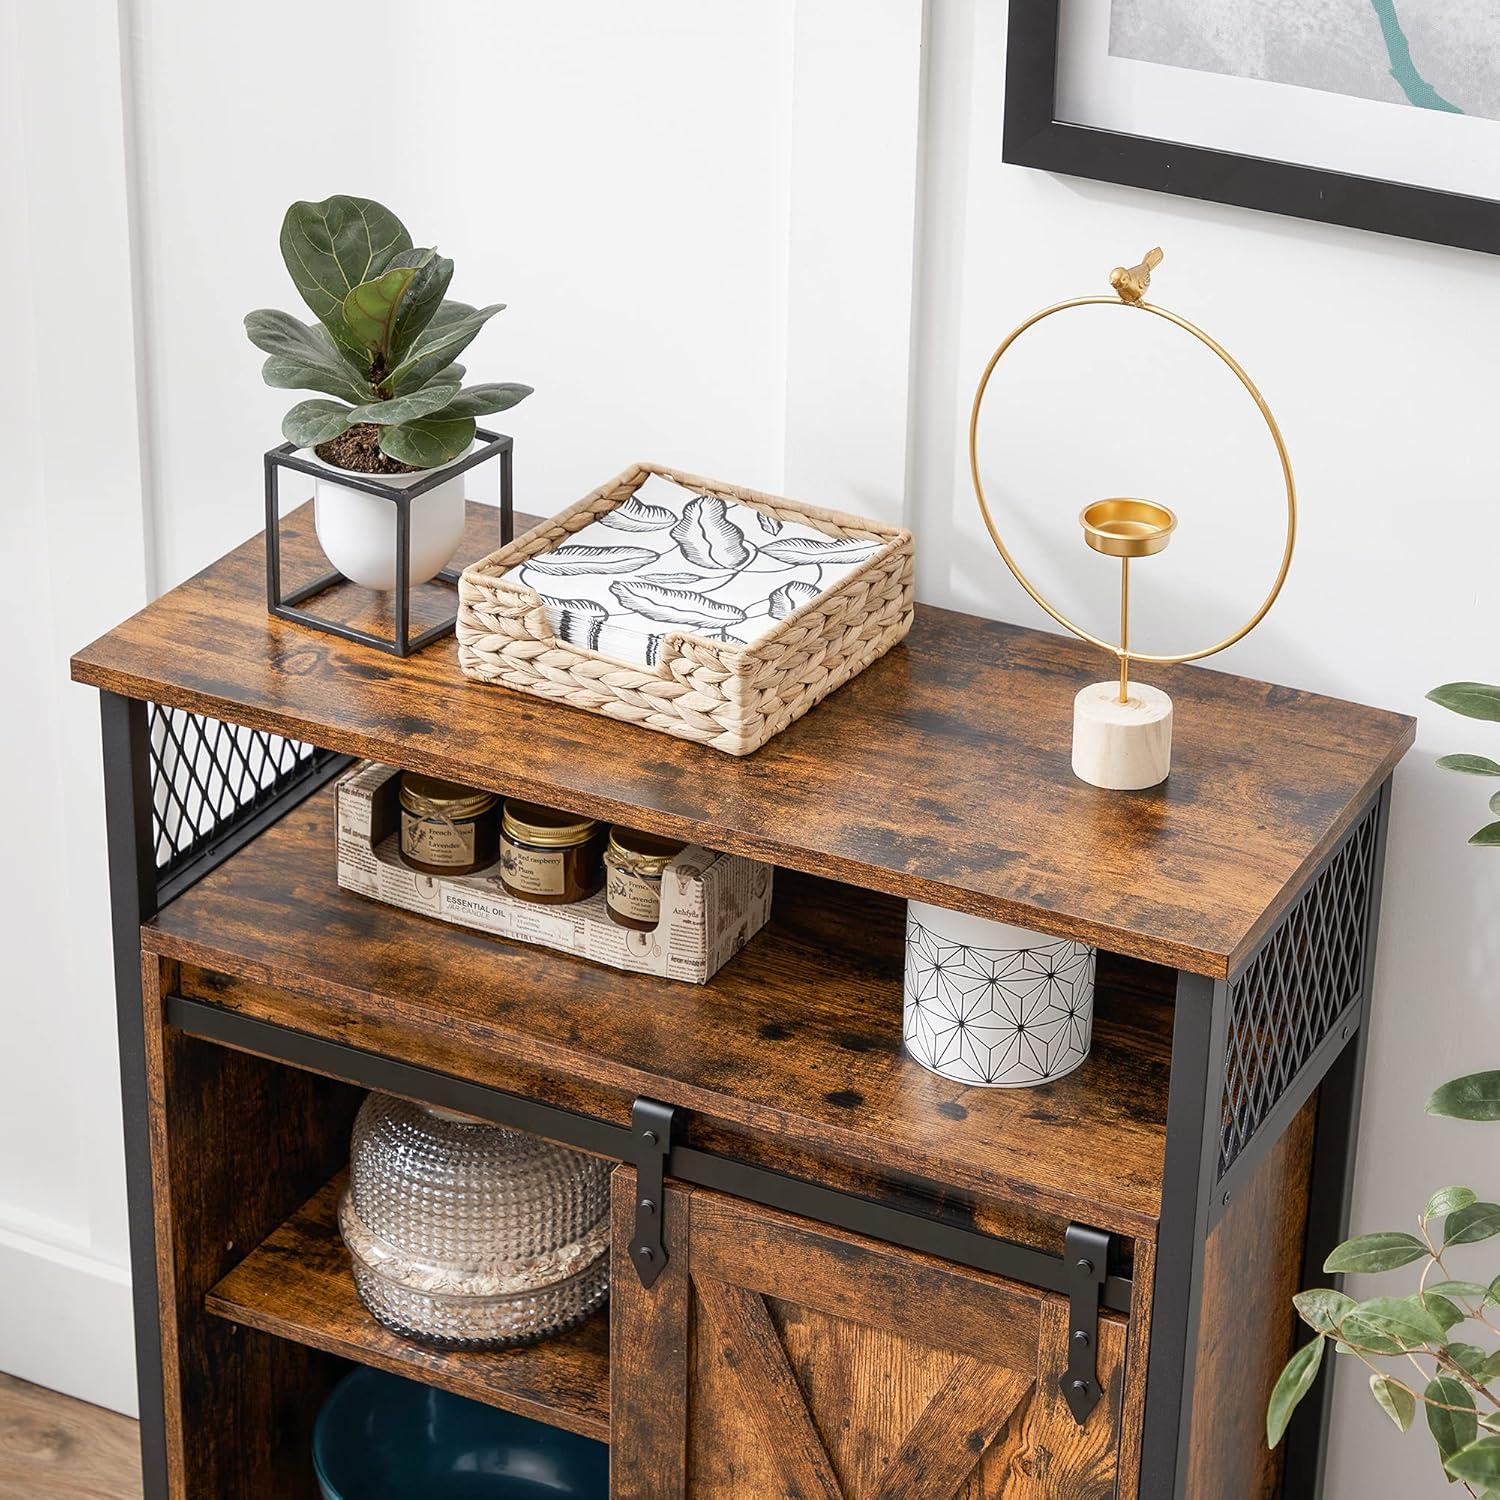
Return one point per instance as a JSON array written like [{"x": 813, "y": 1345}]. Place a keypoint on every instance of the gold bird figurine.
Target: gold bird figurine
[{"x": 1132, "y": 284}]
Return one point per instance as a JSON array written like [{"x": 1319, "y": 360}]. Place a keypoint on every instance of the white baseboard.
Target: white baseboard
[{"x": 66, "y": 1323}]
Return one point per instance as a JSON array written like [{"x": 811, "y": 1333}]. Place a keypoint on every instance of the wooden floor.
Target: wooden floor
[{"x": 55, "y": 1448}]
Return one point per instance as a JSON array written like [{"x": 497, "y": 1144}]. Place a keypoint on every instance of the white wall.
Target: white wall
[
  {"x": 616, "y": 174},
  {"x": 771, "y": 241},
  {"x": 73, "y": 545}
]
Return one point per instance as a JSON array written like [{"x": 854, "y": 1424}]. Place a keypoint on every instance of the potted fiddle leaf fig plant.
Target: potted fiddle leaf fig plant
[{"x": 383, "y": 354}]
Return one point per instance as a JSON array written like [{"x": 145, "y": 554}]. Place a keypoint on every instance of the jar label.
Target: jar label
[
  {"x": 538, "y": 872},
  {"x": 634, "y": 896},
  {"x": 431, "y": 841}
]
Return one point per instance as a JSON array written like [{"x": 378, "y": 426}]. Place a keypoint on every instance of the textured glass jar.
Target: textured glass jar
[{"x": 467, "y": 1234}]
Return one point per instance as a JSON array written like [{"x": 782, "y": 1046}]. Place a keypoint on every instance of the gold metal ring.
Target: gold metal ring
[{"x": 1123, "y": 652}]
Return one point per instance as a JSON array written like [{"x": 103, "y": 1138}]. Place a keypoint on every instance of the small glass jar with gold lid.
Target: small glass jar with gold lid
[
  {"x": 549, "y": 856},
  {"x": 446, "y": 828},
  {"x": 634, "y": 865}
]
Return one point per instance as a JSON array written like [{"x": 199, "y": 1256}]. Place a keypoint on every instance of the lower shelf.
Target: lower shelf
[{"x": 298, "y": 1285}]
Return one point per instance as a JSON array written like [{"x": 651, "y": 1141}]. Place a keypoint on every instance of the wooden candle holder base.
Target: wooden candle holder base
[{"x": 1123, "y": 747}]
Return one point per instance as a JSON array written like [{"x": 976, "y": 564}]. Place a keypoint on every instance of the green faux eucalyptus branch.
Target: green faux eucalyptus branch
[
  {"x": 386, "y": 340},
  {"x": 1431, "y": 1364},
  {"x": 1416, "y": 1347},
  {"x": 1474, "y": 700}
]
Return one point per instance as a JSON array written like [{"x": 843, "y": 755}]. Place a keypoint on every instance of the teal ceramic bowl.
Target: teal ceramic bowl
[{"x": 379, "y": 1437}]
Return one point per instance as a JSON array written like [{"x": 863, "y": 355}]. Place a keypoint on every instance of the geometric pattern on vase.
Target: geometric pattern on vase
[{"x": 1001, "y": 1017}]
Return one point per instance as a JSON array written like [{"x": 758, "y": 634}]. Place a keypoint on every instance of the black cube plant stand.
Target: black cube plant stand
[{"x": 288, "y": 606}]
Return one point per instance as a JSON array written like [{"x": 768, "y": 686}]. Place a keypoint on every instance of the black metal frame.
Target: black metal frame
[
  {"x": 142, "y": 879},
  {"x": 1196, "y": 1194},
  {"x": 1332, "y": 1188},
  {"x": 288, "y": 606},
  {"x": 1193, "y": 1194},
  {"x": 1035, "y": 137}
]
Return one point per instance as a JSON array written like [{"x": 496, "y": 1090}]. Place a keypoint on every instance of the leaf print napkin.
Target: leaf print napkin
[{"x": 671, "y": 561}]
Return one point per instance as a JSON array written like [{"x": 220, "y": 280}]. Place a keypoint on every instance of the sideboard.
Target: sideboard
[{"x": 835, "y": 1273}]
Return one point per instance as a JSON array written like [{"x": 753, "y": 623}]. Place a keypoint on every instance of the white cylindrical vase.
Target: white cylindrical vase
[
  {"x": 357, "y": 530},
  {"x": 991, "y": 1004}
]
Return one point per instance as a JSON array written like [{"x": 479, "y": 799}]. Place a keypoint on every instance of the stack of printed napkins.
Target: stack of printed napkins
[{"x": 671, "y": 561}]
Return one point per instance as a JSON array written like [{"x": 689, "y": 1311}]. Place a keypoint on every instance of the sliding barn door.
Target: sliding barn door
[{"x": 775, "y": 1357}]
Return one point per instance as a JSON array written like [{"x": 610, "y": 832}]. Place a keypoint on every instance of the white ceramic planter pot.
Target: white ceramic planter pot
[
  {"x": 991, "y": 1004},
  {"x": 357, "y": 531}
]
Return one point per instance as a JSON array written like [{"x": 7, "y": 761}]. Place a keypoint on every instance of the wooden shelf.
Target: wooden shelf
[
  {"x": 797, "y": 1040},
  {"x": 940, "y": 774},
  {"x": 298, "y": 1285}
]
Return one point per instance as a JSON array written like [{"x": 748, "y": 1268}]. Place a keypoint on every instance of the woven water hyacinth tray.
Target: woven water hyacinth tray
[{"x": 729, "y": 612}]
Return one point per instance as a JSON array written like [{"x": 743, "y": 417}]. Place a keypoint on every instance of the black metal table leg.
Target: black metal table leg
[
  {"x": 132, "y": 896},
  {"x": 1194, "y": 1106},
  {"x": 1332, "y": 1191}
]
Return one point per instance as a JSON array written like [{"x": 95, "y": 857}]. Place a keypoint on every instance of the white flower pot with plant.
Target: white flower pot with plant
[{"x": 384, "y": 348}]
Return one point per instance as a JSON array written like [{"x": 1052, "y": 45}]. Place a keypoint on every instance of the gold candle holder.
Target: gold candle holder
[
  {"x": 1123, "y": 740},
  {"x": 1125, "y": 527}
]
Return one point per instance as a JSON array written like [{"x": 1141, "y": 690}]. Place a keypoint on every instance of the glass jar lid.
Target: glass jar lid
[
  {"x": 432, "y": 797},
  {"x": 545, "y": 827},
  {"x": 640, "y": 853}
]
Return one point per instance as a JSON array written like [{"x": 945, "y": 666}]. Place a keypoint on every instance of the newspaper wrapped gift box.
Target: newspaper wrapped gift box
[{"x": 712, "y": 904}]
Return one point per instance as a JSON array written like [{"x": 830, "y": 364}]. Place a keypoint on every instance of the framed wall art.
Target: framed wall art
[{"x": 1378, "y": 114}]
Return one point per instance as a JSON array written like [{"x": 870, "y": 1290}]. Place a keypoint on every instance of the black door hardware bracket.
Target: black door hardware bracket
[
  {"x": 651, "y": 1141},
  {"x": 1085, "y": 1256}
]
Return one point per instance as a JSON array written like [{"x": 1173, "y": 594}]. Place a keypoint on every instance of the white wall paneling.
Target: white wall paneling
[
  {"x": 853, "y": 199},
  {"x": 73, "y": 541}
]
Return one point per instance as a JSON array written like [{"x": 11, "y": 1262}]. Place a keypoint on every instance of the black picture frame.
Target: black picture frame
[{"x": 1035, "y": 137}]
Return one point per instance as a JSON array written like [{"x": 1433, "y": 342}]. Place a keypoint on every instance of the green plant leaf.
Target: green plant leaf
[
  {"x": 331, "y": 247},
  {"x": 428, "y": 441},
  {"x": 1447, "y": 1200},
  {"x": 1470, "y": 1289},
  {"x": 288, "y": 375},
  {"x": 1468, "y": 1357},
  {"x": 1486, "y": 837},
  {"x": 1396, "y": 1401},
  {"x": 302, "y": 356},
  {"x": 1475, "y": 1096},
  {"x": 312, "y": 422},
  {"x": 1474, "y": 700},
  {"x": 1478, "y": 1463},
  {"x": 423, "y": 403},
  {"x": 370, "y": 310},
  {"x": 1451, "y": 1430},
  {"x": 483, "y": 400},
  {"x": 1492, "y": 1291},
  {"x": 1447, "y": 1313},
  {"x": 450, "y": 332},
  {"x": 423, "y": 298},
  {"x": 1479, "y": 1221},
  {"x": 1470, "y": 765},
  {"x": 1385, "y": 1251},
  {"x": 1322, "y": 1308},
  {"x": 1292, "y": 1385},
  {"x": 1401, "y": 1319}
]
